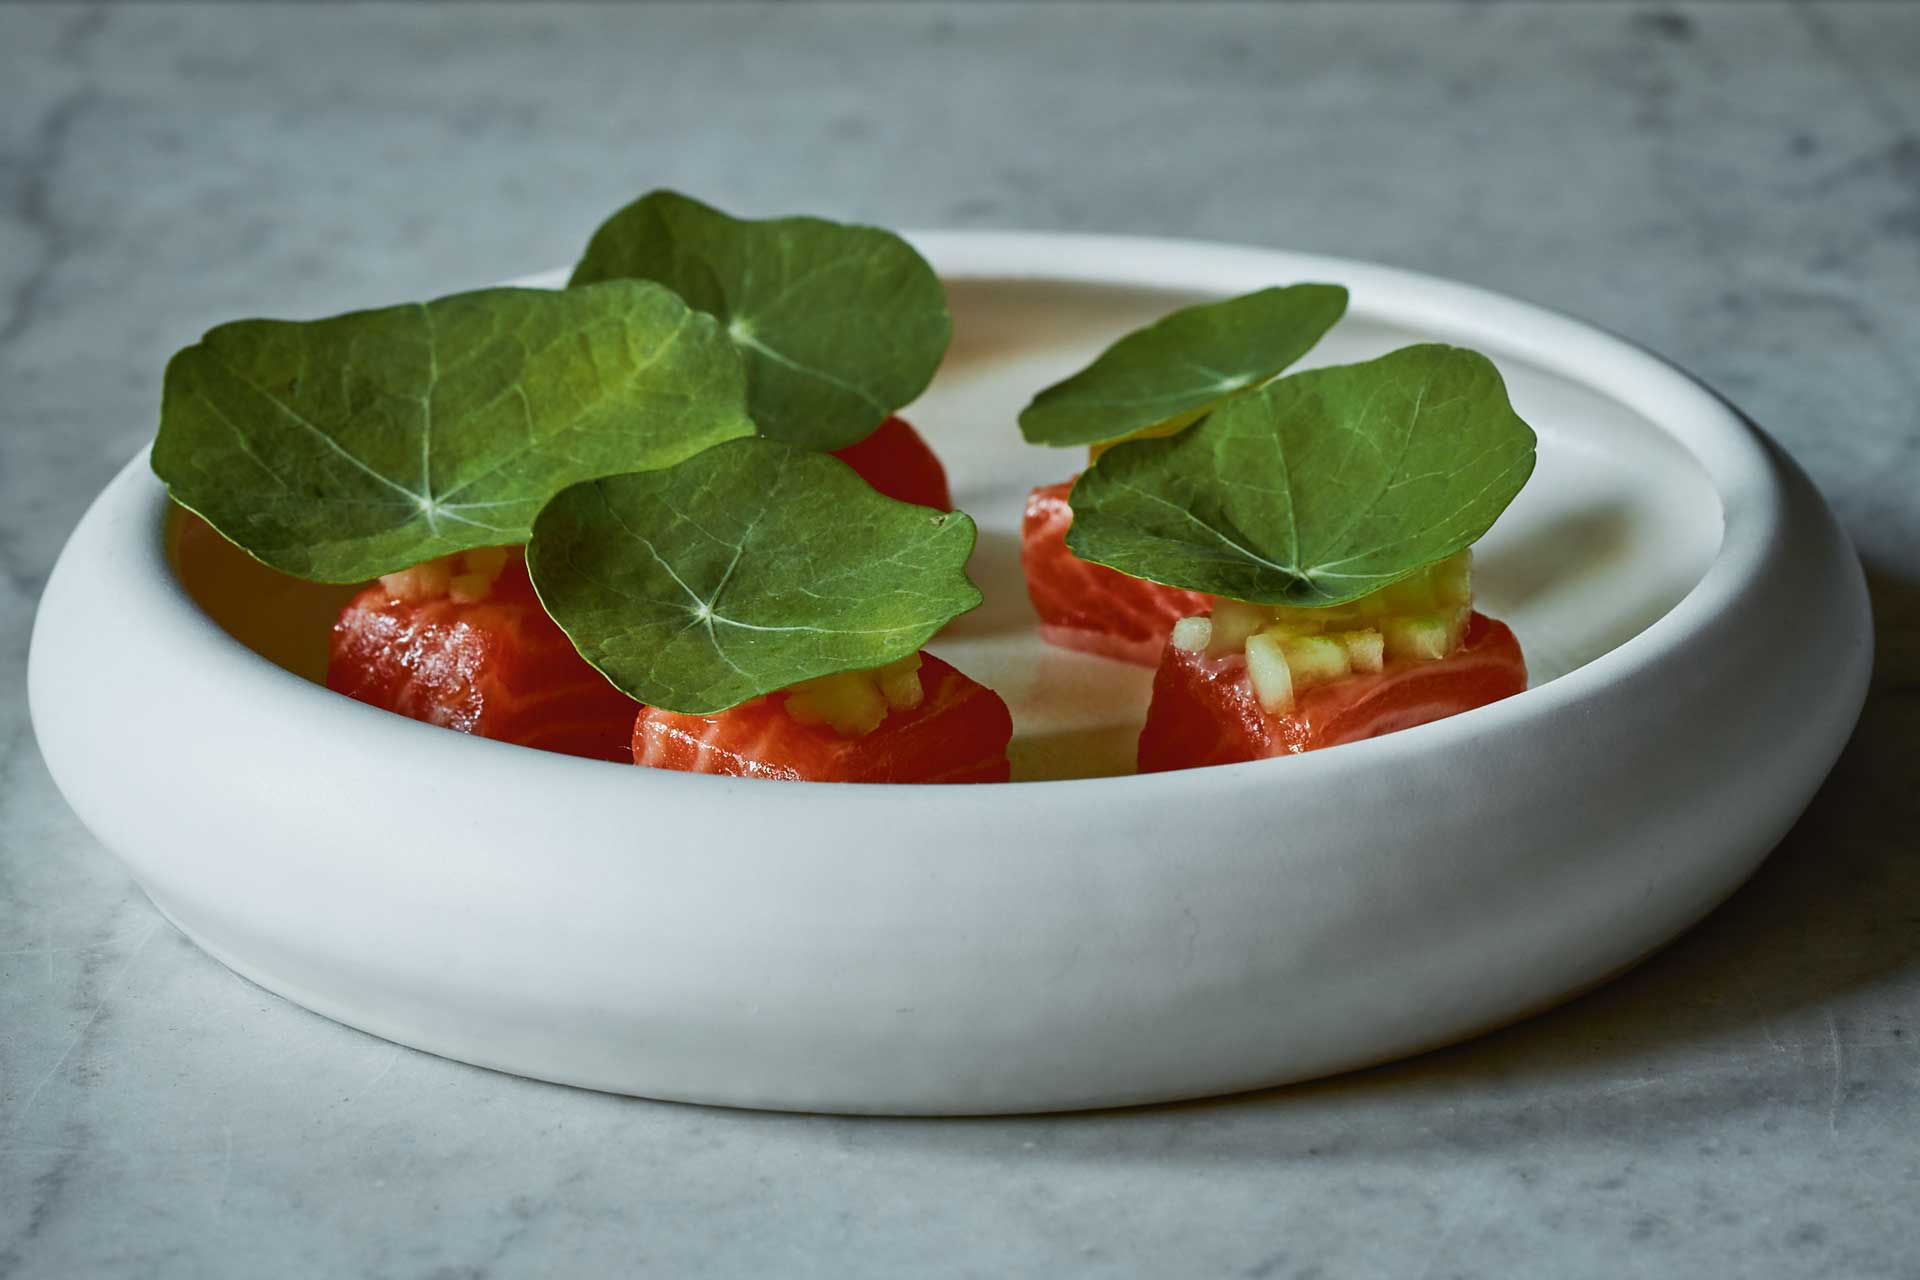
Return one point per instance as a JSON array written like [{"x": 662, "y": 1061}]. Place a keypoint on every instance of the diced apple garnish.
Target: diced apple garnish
[
  {"x": 1289, "y": 650},
  {"x": 466, "y": 576},
  {"x": 850, "y": 703},
  {"x": 1366, "y": 649},
  {"x": 1271, "y": 677},
  {"x": 1193, "y": 634},
  {"x": 1233, "y": 622},
  {"x": 1439, "y": 585},
  {"x": 1313, "y": 622},
  {"x": 423, "y": 581},
  {"x": 1289, "y": 628},
  {"x": 900, "y": 683},
  {"x": 479, "y": 569},
  {"x": 488, "y": 560},
  {"x": 853, "y": 703},
  {"x": 1453, "y": 578},
  {"x": 1408, "y": 620},
  {"x": 470, "y": 588},
  {"x": 1424, "y": 637},
  {"x": 1313, "y": 660},
  {"x": 1407, "y": 596}
]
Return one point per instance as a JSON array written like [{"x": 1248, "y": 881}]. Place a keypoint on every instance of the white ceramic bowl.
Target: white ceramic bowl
[{"x": 1696, "y": 623}]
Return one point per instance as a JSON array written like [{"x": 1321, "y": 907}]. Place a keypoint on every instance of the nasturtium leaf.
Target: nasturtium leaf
[
  {"x": 344, "y": 448},
  {"x": 1317, "y": 489},
  {"x": 743, "y": 570},
  {"x": 839, "y": 325},
  {"x": 1169, "y": 374}
]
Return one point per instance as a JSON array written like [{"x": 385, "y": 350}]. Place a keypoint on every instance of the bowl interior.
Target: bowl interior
[{"x": 1619, "y": 522}]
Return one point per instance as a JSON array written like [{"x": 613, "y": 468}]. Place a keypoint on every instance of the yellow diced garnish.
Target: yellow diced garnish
[
  {"x": 850, "y": 703},
  {"x": 900, "y": 683},
  {"x": 1366, "y": 649},
  {"x": 1314, "y": 660},
  {"x": 470, "y": 588},
  {"x": 1271, "y": 677},
  {"x": 1233, "y": 622},
  {"x": 1193, "y": 634},
  {"x": 1424, "y": 637},
  {"x": 487, "y": 560},
  {"x": 1453, "y": 578},
  {"x": 1418, "y": 619},
  {"x": 422, "y": 582}
]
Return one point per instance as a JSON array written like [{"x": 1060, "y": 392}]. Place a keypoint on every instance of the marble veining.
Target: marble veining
[{"x": 1736, "y": 185}]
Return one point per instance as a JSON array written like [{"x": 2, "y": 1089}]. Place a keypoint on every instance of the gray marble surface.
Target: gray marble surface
[{"x": 1736, "y": 185}]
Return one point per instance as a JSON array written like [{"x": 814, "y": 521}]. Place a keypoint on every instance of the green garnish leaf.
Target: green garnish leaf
[
  {"x": 745, "y": 569},
  {"x": 839, "y": 325},
  {"x": 1319, "y": 488},
  {"x": 341, "y": 449},
  {"x": 1169, "y": 374}
]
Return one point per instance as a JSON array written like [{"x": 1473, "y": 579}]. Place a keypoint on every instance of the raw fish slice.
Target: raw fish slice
[
  {"x": 900, "y": 465},
  {"x": 1089, "y": 606},
  {"x": 482, "y": 658},
  {"x": 1204, "y": 710},
  {"x": 958, "y": 733}
]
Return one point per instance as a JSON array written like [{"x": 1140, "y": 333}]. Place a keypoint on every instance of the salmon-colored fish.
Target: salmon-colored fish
[
  {"x": 957, "y": 733},
  {"x": 462, "y": 642},
  {"x": 1089, "y": 606},
  {"x": 1204, "y": 710},
  {"x": 900, "y": 465}
]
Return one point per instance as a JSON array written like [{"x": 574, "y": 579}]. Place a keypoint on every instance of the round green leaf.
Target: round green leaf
[
  {"x": 745, "y": 569},
  {"x": 1320, "y": 488},
  {"x": 341, "y": 449},
  {"x": 1168, "y": 374},
  {"x": 839, "y": 325}
]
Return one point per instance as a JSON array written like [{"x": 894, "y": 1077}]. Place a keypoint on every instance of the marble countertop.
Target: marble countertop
[{"x": 1736, "y": 185}]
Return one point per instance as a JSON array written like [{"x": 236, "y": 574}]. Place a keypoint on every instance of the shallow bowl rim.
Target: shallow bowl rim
[{"x": 1730, "y": 449}]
